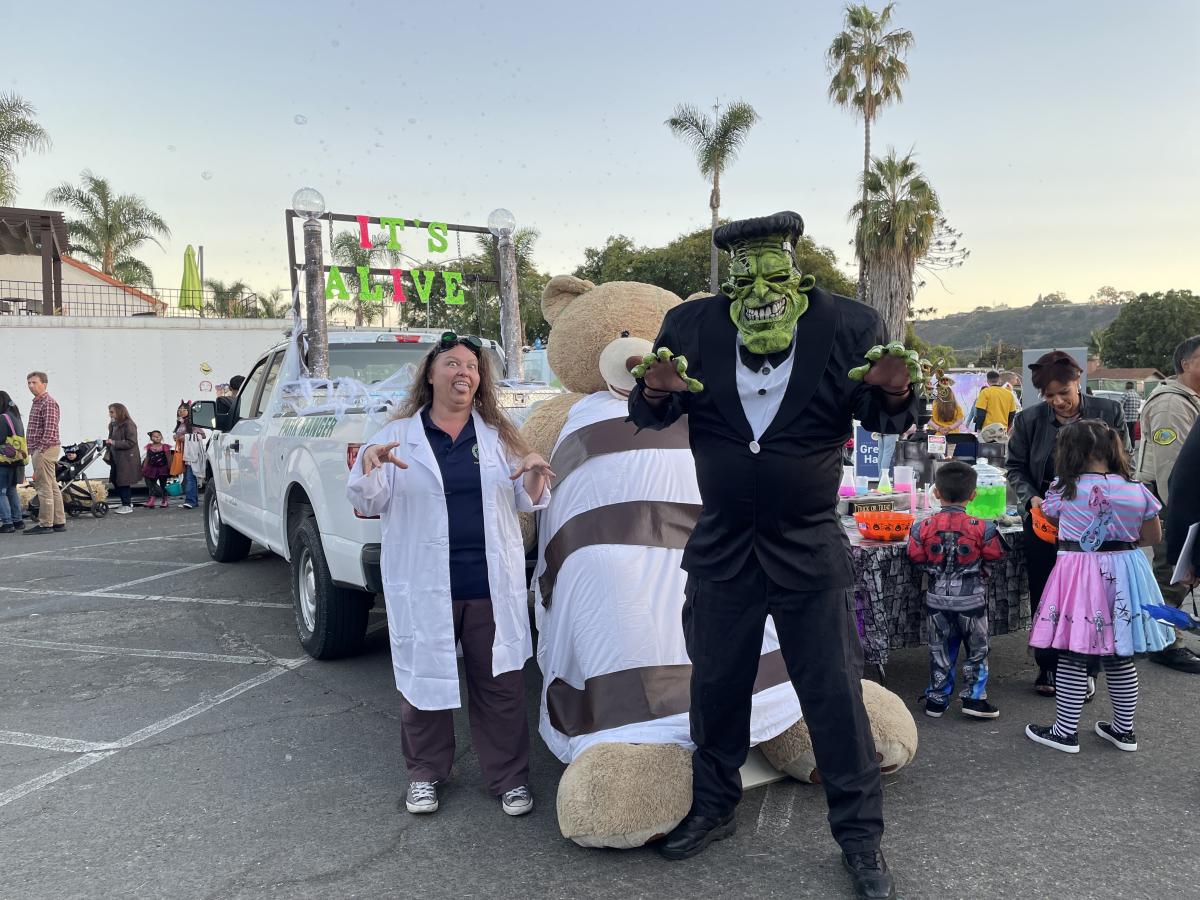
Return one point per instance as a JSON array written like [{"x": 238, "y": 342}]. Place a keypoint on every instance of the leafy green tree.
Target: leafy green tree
[
  {"x": 1001, "y": 355},
  {"x": 19, "y": 134},
  {"x": 938, "y": 354},
  {"x": 866, "y": 61},
  {"x": 716, "y": 142},
  {"x": 897, "y": 222},
  {"x": 681, "y": 266},
  {"x": 271, "y": 305},
  {"x": 1148, "y": 329},
  {"x": 1110, "y": 296},
  {"x": 1054, "y": 298},
  {"x": 109, "y": 227}
]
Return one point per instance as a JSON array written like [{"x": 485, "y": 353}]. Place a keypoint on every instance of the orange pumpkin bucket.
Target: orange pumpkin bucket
[
  {"x": 883, "y": 526},
  {"x": 1043, "y": 527}
]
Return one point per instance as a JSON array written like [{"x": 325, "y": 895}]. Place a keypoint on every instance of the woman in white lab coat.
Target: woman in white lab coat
[{"x": 448, "y": 476}]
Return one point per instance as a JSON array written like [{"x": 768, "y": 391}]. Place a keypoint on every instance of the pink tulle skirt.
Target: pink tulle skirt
[{"x": 1093, "y": 605}]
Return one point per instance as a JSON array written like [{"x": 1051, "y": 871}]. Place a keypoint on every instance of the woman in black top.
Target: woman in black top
[
  {"x": 14, "y": 454},
  {"x": 1030, "y": 467}
]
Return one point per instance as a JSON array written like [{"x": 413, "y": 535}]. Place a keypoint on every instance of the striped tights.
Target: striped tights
[{"x": 1070, "y": 686}]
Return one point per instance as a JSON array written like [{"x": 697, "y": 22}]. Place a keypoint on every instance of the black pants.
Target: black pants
[
  {"x": 723, "y": 624},
  {"x": 156, "y": 485}
]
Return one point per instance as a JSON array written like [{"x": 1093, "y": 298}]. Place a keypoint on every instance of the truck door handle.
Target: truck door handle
[{"x": 235, "y": 446}]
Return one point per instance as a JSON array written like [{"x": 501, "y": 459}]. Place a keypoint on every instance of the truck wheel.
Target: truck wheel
[
  {"x": 330, "y": 620},
  {"x": 224, "y": 544}
]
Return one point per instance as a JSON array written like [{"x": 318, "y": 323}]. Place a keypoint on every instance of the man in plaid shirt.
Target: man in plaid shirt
[
  {"x": 1131, "y": 402},
  {"x": 41, "y": 434}
]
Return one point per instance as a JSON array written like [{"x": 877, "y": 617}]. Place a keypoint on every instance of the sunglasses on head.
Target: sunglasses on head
[{"x": 450, "y": 339}]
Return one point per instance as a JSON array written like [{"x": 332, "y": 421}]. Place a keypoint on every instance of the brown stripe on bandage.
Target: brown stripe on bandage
[
  {"x": 637, "y": 695},
  {"x": 613, "y": 436},
  {"x": 640, "y": 523}
]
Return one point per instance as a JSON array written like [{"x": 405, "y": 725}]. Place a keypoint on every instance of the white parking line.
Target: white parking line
[
  {"x": 163, "y": 598},
  {"x": 149, "y": 731},
  {"x": 88, "y": 759},
  {"x": 47, "y": 742},
  {"x": 156, "y": 537},
  {"x": 116, "y": 560},
  {"x": 136, "y": 651},
  {"x": 41, "y": 781},
  {"x": 185, "y": 569}
]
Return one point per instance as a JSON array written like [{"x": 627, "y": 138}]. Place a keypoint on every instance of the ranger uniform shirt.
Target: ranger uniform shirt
[{"x": 1167, "y": 418}]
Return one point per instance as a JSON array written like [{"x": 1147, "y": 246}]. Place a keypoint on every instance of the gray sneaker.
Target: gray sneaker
[
  {"x": 422, "y": 797},
  {"x": 517, "y": 802}
]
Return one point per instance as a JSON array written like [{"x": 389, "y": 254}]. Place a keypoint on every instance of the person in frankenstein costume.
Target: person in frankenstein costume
[{"x": 770, "y": 373}]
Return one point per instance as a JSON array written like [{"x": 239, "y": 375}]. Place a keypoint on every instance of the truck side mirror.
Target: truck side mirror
[{"x": 204, "y": 414}]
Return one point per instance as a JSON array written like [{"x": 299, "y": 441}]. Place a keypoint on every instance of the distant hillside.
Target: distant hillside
[{"x": 1026, "y": 326}]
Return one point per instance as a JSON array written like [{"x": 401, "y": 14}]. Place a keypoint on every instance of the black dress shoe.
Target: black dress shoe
[
  {"x": 872, "y": 880},
  {"x": 39, "y": 529},
  {"x": 1181, "y": 659},
  {"x": 695, "y": 833}
]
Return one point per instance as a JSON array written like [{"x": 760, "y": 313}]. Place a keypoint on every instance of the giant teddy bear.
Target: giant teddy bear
[{"x": 608, "y": 590}]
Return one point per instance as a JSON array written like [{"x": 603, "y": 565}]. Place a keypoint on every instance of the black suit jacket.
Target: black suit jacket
[
  {"x": 1184, "y": 491},
  {"x": 781, "y": 502},
  {"x": 1030, "y": 462}
]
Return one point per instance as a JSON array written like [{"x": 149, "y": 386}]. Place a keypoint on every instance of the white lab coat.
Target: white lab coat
[{"x": 415, "y": 559}]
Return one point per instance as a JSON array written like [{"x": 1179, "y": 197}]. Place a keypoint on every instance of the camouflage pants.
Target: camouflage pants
[{"x": 948, "y": 631}]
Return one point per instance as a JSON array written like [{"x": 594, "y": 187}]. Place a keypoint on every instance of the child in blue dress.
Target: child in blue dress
[{"x": 1092, "y": 604}]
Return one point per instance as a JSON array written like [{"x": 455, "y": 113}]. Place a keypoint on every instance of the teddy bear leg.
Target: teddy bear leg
[
  {"x": 892, "y": 726},
  {"x": 624, "y": 795}
]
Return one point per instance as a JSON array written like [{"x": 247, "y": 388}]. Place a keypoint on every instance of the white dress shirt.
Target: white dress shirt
[{"x": 762, "y": 390}]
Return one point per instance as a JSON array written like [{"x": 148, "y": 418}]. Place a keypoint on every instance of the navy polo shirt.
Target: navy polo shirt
[{"x": 458, "y": 460}]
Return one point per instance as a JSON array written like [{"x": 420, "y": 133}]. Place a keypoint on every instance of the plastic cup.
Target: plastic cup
[{"x": 904, "y": 478}]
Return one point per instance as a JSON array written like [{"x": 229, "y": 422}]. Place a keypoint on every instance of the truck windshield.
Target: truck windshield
[{"x": 373, "y": 363}]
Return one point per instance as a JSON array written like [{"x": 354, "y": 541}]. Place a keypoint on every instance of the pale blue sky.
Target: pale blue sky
[{"x": 1061, "y": 136}]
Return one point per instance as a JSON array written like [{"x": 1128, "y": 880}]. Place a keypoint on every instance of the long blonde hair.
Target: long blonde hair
[{"x": 487, "y": 402}]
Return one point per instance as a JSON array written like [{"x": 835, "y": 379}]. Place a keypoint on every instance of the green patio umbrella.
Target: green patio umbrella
[{"x": 191, "y": 291}]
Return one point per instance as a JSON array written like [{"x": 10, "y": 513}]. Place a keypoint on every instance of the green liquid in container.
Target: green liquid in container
[{"x": 989, "y": 503}]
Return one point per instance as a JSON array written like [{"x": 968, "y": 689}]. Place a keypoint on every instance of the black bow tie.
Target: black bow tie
[{"x": 756, "y": 361}]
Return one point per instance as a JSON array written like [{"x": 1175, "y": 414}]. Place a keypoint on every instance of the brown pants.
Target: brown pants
[
  {"x": 50, "y": 502},
  {"x": 495, "y": 706}
]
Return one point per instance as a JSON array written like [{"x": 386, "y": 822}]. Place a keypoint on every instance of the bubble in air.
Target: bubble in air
[
  {"x": 299, "y": 119},
  {"x": 170, "y": 148},
  {"x": 207, "y": 175},
  {"x": 412, "y": 121}
]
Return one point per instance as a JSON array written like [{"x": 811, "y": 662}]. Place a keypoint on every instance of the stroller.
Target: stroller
[{"x": 79, "y": 493}]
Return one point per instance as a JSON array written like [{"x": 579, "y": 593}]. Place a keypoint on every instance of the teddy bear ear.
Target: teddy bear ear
[{"x": 559, "y": 292}]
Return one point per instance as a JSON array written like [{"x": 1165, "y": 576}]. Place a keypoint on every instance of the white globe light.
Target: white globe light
[
  {"x": 501, "y": 222},
  {"x": 308, "y": 202}
]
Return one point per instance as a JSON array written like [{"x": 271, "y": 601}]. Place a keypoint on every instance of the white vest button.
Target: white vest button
[{"x": 754, "y": 448}]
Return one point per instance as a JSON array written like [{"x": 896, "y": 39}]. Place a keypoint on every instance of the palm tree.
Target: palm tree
[
  {"x": 716, "y": 142},
  {"x": 867, "y": 64},
  {"x": 349, "y": 254},
  {"x": 897, "y": 220},
  {"x": 229, "y": 301},
  {"x": 272, "y": 305},
  {"x": 110, "y": 227},
  {"x": 19, "y": 134},
  {"x": 529, "y": 283}
]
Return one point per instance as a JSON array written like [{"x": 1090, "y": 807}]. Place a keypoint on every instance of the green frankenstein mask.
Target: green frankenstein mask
[{"x": 767, "y": 290}]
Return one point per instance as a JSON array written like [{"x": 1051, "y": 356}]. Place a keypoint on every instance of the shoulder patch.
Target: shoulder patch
[{"x": 1164, "y": 437}]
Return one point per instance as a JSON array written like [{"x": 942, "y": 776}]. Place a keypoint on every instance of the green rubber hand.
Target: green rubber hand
[{"x": 665, "y": 355}]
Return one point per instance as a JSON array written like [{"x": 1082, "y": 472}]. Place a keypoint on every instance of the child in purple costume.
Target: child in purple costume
[{"x": 1092, "y": 604}]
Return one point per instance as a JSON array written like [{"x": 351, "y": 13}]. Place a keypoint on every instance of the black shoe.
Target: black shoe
[
  {"x": 1181, "y": 659},
  {"x": 695, "y": 833},
  {"x": 20, "y": 526},
  {"x": 1122, "y": 740},
  {"x": 6, "y": 529},
  {"x": 935, "y": 706},
  {"x": 60, "y": 527},
  {"x": 1044, "y": 734},
  {"x": 979, "y": 709},
  {"x": 39, "y": 529},
  {"x": 872, "y": 880},
  {"x": 1044, "y": 684}
]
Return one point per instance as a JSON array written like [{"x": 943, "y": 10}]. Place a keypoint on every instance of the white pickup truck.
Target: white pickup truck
[{"x": 276, "y": 475}]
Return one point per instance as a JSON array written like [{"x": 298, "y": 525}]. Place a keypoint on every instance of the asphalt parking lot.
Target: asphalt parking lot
[{"x": 162, "y": 734}]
